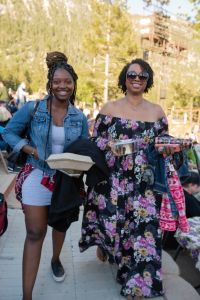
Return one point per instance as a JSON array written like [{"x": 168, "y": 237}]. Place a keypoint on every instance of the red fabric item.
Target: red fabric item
[
  {"x": 23, "y": 174},
  {"x": 3, "y": 216},
  {"x": 167, "y": 221},
  {"x": 47, "y": 181}
]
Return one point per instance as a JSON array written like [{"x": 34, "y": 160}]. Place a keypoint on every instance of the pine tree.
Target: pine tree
[
  {"x": 111, "y": 43},
  {"x": 196, "y": 4}
]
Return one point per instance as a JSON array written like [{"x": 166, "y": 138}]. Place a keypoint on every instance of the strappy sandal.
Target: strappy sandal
[
  {"x": 101, "y": 254},
  {"x": 134, "y": 298}
]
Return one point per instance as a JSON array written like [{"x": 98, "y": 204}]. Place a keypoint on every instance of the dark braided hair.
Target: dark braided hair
[
  {"x": 144, "y": 65},
  {"x": 58, "y": 60}
]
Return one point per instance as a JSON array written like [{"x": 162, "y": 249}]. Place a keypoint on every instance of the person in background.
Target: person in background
[
  {"x": 193, "y": 136},
  {"x": 3, "y": 145},
  {"x": 191, "y": 185},
  {"x": 5, "y": 115},
  {"x": 55, "y": 125},
  {"x": 87, "y": 112},
  {"x": 95, "y": 109},
  {"x": 187, "y": 135},
  {"x": 21, "y": 95},
  {"x": 4, "y": 97},
  {"x": 11, "y": 104}
]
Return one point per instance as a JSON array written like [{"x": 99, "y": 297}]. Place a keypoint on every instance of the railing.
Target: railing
[{"x": 184, "y": 115}]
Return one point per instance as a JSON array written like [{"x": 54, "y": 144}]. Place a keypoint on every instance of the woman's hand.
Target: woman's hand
[
  {"x": 34, "y": 153},
  {"x": 116, "y": 150},
  {"x": 31, "y": 151}
]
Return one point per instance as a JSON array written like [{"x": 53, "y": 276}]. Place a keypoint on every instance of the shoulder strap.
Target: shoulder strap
[
  {"x": 32, "y": 114},
  {"x": 35, "y": 109}
]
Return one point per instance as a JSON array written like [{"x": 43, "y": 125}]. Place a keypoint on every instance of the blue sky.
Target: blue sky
[{"x": 175, "y": 7}]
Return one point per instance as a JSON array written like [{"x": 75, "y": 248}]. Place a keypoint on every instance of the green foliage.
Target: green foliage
[
  {"x": 196, "y": 4},
  {"x": 111, "y": 33},
  {"x": 182, "y": 95},
  {"x": 87, "y": 31},
  {"x": 30, "y": 29},
  {"x": 28, "y": 32},
  {"x": 162, "y": 2},
  {"x": 184, "y": 86}
]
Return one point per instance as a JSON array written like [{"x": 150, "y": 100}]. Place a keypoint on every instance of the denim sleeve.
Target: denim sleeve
[
  {"x": 85, "y": 130},
  {"x": 16, "y": 127},
  {"x": 1, "y": 129}
]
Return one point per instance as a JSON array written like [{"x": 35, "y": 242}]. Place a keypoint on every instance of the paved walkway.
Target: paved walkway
[{"x": 87, "y": 278}]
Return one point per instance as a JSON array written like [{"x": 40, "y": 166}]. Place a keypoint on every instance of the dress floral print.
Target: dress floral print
[{"x": 122, "y": 215}]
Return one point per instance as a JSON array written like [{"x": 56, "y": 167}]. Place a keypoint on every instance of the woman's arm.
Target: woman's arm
[{"x": 16, "y": 126}]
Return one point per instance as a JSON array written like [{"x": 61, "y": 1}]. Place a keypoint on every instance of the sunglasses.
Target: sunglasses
[{"x": 132, "y": 75}]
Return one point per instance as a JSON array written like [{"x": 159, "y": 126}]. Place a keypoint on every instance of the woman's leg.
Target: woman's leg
[
  {"x": 58, "y": 239},
  {"x": 36, "y": 227},
  {"x": 58, "y": 271}
]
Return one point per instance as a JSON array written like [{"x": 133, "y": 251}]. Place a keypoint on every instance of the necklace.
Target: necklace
[{"x": 135, "y": 108}]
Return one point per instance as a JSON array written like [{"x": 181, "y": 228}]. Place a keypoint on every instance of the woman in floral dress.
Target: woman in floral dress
[{"x": 121, "y": 216}]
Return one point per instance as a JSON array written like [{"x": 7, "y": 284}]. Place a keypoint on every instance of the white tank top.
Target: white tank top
[{"x": 58, "y": 139}]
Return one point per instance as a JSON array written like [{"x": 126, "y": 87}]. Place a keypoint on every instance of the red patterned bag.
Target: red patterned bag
[{"x": 3, "y": 215}]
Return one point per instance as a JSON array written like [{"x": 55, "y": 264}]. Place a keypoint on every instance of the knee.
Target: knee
[{"x": 35, "y": 235}]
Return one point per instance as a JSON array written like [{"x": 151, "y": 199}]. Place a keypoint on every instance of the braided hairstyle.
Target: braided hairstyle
[{"x": 58, "y": 60}]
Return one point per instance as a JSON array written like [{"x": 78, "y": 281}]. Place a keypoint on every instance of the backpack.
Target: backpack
[{"x": 3, "y": 215}]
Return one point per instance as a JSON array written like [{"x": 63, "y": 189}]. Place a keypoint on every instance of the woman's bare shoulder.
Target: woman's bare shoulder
[
  {"x": 110, "y": 107},
  {"x": 159, "y": 111},
  {"x": 155, "y": 109}
]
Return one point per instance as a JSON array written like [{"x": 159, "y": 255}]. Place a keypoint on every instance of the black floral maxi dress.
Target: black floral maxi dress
[{"x": 122, "y": 215}]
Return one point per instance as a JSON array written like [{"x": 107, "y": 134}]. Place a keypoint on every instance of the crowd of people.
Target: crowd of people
[
  {"x": 123, "y": 201},
  {"x": 11, "y": 98}
]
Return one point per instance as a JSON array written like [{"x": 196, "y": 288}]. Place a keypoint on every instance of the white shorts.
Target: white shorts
[{"x": 33, "y": 192}]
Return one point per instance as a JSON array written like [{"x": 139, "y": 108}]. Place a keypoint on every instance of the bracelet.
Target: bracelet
[{"x": 33, "y": 152}]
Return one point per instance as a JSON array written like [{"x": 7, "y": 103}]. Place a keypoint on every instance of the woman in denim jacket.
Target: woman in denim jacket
[{"x": 55, "y": 124}]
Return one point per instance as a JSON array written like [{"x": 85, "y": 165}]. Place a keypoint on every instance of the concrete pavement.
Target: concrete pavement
[{"x": 87, "y": 278}]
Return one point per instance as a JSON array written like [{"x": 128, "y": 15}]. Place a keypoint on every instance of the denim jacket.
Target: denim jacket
[
  {"x": 75, "y": 126},
  {"x": 157, "y": 165}
]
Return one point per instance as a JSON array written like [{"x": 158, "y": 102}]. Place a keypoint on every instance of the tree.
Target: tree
[
  {"x": 111, "y": 43},
  {"x": 161, "y": 2},
  {"x": 196, "y": 4},
  {"x": 29, "y": 30}
]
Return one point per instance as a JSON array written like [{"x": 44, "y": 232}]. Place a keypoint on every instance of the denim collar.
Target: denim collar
[{"x": 72, "y": 110}]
